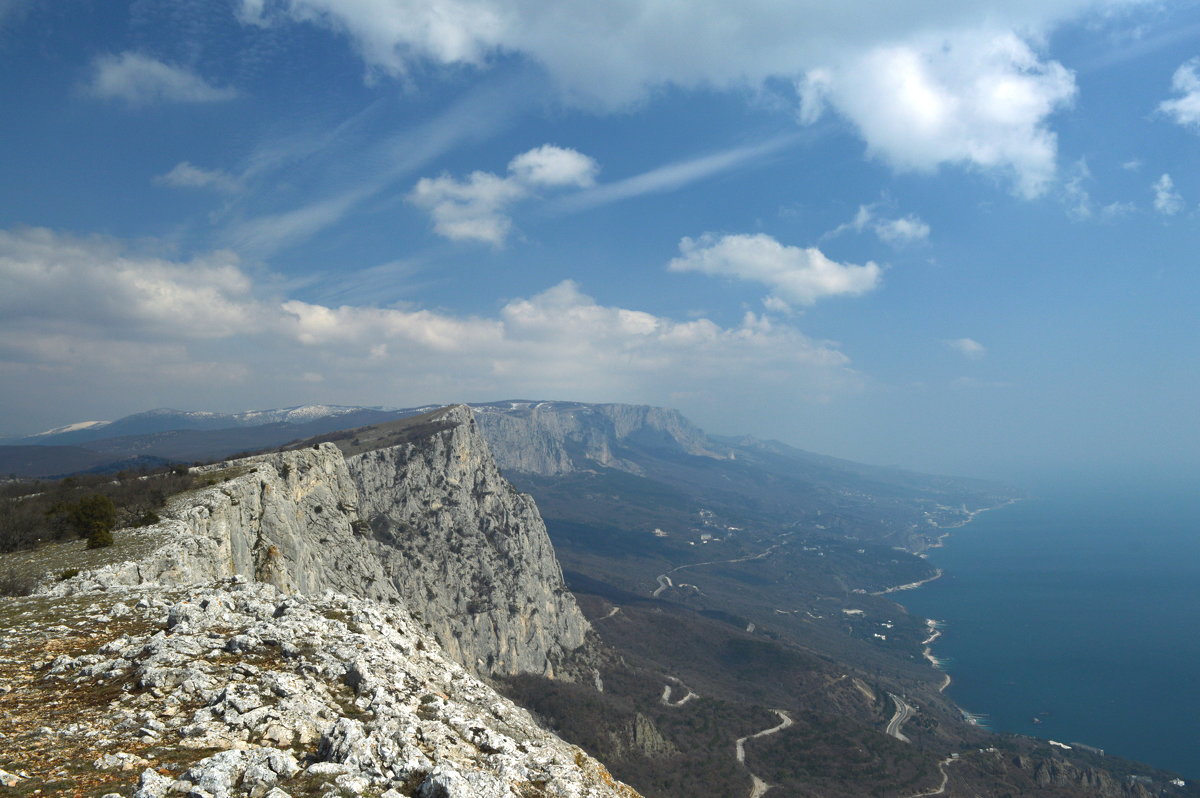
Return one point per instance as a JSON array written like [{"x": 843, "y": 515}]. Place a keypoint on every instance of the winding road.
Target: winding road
[
  {"x": 666, "y": 694},
  {"x": 758, "y": 786},
  {"x": 664, "y": 579},
  {"x": 950, "y": 760},
  {"x": 903, "y": 713}
]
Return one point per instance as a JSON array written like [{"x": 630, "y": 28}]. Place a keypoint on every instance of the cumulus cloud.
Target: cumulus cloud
[
  {"x": 973, "y": 94},
  {"x": 895, "y": 231},
  {"x": 562, "y": 342},
  {"x": 185, "y": 175},
  {"x": 1185, "y": 109},
  {"x": 86, "y": 311},
  {"x": 477, "y": 208},
  {"x": 471, "y": 209},
  {"x": 93, "y": 284},
  {"x": 968, "y": 347},
  {"x": 141, "y": 80},
  {"x": 976, "y": 99},
  {"x": 548, "y": 165},
  {"x": 794, "y": 274},
  {"x": 1167, "y": 200}
]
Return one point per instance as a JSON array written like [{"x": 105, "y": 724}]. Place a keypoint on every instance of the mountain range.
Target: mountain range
[{"x": 703, "y": 596}]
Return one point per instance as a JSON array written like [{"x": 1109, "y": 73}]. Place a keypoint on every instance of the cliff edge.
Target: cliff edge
[{"x": 417, "y": 514}]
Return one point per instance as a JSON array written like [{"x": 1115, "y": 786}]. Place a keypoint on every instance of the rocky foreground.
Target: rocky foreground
[{"x": 236, "y": 688}]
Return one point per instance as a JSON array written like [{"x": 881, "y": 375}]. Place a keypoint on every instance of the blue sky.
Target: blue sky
[{"x": 956, "y": 236}]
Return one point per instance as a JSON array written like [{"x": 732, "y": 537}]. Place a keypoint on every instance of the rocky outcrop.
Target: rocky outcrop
[
  {"x": 640, "y": 737},
  {"x": 555, "y": 438},
  {"x": 428, "y": 522},
  {"x": 459, "y": 542},
  {"x": 236, "y": 688},
  {"x": 1052, "y": 773}
]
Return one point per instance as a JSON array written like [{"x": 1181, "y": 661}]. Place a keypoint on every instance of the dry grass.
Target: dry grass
[
  {"x": 40, "y": 716},
  {"x": 47, "y": 562}
]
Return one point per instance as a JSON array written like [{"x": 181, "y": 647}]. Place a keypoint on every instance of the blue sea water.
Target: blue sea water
[{"x": 1075, "y": 616}]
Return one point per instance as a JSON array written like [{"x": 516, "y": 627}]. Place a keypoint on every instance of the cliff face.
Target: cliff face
[
  {"x": 555, "y": 438},
  {"x": 458, "y": 541},
  {"x": 428, "y": 522}
]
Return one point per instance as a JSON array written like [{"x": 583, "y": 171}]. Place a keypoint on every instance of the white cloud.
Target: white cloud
[
  {"x": 895, "y": 231},
  {"x": 477, "y": 208},
  {"x": 140, "y": 80},
  {"x": 185, "y": 175},
  {"x": 978, "y": 99},
  {"x": 905, "y": 230},
  {"x": 92, "y": 284},
  {"x": 926, "y": 83},
  {"x": 968, "y": 347},
  {"x": 1167, "y": 200},
  {"x": 86, "y": 312},
  {"x": 1115, "y": 210},
  {"x": 472, "y": 209},
  {"x": 1185, "y": 109},
  {"x": 548, "y": 165},
  {"x": 794, "y": 274}
]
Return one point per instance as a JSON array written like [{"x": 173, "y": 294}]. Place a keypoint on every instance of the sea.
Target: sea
[{"x": 1074, "y": 615}]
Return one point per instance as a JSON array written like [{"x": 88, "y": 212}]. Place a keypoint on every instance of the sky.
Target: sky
[{"x": 952, "y": 235}]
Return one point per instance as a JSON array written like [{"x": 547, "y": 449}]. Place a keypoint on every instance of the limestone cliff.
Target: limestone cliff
[
  {"x": 459, "y": 542},
  {"x": 554, "y": 438},
  {"x": 426, "y": 520}
]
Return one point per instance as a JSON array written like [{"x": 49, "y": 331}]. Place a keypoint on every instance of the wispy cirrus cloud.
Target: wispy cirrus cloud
[
  {"x": 967, "y": 347},
  {"x": 185, "y": 175},
  {"x": 139, "y": 80},
  {"x": 366, "y": 169},
  {"x": 672, "y": 176}
]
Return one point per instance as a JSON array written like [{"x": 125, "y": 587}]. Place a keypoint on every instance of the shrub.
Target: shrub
[
  {"x": 100, "y": 538},
  {"x": 13, "y": 583},
  {"x": 92, "y": 514}
]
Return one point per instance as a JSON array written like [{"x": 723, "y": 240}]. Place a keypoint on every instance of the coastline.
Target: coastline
[
  {"x": 935, "y": 631},
  {"x": 935, "y": 626},
  {"x": 937, "y": 574},
  {"x": 1027, "y": 591}
]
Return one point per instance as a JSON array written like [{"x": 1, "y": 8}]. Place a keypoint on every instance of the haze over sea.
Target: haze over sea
[{"x": 1080, "y": 608}]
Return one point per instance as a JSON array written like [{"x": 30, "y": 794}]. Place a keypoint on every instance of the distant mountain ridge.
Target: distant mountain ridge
[
  {"x": 166, "y": 419},
  {"x": 555, "y": 438}
]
